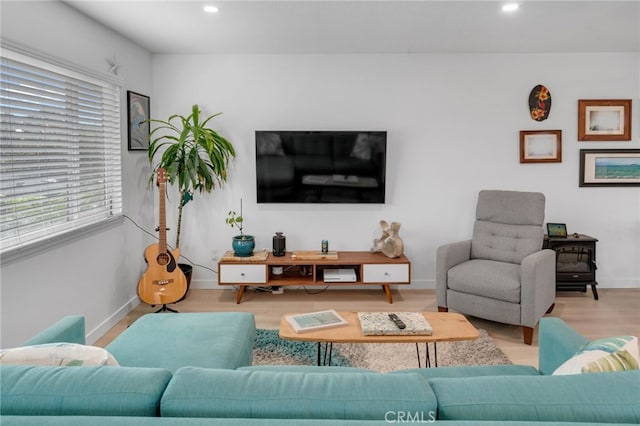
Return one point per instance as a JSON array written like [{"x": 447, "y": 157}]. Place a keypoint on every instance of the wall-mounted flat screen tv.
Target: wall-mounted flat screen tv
[{"x": 321, "y": 166}]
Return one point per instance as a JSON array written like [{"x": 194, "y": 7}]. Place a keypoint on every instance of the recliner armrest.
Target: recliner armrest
[
  {"x": 448, "y": 256},
  {"x": 538, "y": 285}
]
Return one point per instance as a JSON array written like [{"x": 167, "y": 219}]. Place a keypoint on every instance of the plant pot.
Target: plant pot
[
  {"x": 187, "y": 270},
  {"x": 243, "y": 245}
]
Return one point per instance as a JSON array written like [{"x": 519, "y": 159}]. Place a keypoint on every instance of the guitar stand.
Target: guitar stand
[{"x": 165, "y": 308}]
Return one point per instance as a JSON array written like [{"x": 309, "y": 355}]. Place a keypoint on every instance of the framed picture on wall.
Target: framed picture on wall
[
  {"x": 138, "y": 112},
  {"x": 604, "y": 119},
  {"x": 541, "y": 146},
  {"x": 610, "y": 167}
]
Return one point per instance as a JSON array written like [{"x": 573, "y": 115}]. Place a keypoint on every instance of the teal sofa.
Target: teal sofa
[{"x": 228, "y": 390}]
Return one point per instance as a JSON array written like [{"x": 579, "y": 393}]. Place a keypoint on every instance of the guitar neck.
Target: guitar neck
[{"x": 162, "y": 238}]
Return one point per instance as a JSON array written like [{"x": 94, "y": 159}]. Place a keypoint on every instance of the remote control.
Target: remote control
[{"x": 398, "y": 321}]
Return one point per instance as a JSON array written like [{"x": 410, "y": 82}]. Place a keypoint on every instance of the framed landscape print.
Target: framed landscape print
[
  {"x": 610, "y": 167},
  {"x": 138, "y": 112},
  {"x": 604, "y": 119},
  {"x": 541, "y": 146}
]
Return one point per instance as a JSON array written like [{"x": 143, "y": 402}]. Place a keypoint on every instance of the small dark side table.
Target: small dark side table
[{"x": 575, "y": 262}]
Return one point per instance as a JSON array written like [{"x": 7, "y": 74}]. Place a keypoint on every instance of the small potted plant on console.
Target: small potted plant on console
[{"x": 242, "y": 244}]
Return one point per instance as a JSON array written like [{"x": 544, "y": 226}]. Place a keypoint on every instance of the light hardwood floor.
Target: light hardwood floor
[{"x": 616, "y": 313}]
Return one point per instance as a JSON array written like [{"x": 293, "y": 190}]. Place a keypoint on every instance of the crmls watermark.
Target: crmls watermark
[{"x": 410, "y": 417}]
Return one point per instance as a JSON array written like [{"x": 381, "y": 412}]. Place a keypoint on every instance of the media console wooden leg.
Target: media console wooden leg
[
  {"x": 240, "y": 294},
  {"x": 387, "y": 291}
]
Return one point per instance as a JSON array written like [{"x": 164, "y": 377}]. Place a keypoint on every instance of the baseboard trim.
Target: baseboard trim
[
  {"x": 618, "y": 283},
  {"x": 111, "y": 321}
]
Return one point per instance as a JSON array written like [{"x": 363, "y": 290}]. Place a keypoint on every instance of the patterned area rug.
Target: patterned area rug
[{"x": 271, "y": 349}]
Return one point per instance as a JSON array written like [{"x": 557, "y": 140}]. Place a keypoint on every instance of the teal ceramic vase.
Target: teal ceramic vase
[{"x": 243, "y": 245}]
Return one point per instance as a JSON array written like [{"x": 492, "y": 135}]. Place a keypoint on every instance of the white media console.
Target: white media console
[{"x": 310, "y": 269}]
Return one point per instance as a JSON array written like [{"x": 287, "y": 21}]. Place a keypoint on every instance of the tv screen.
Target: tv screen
[{"x": 321, "y": 166}]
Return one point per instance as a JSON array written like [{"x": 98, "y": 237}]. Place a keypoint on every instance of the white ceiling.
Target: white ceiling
[{"x": 382, "y": 26}]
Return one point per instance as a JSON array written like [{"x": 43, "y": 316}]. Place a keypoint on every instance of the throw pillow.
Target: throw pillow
[
  {"x": 609, "y": 354},
  {"x": 57, "y": 354}
]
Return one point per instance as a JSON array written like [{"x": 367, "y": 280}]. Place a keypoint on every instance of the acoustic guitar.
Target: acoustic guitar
[{"x": 163, "y": 282}]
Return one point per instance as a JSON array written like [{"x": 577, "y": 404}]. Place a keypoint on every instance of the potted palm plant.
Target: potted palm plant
[{"x": 194, "y": 156}]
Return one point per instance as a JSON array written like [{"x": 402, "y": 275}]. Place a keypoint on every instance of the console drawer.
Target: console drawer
[
  {"x": 232, "y": 274},
  {"x": 385, "y": 273}
]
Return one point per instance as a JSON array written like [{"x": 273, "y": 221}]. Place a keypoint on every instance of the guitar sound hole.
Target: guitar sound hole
[{"x": 163, "y": 259}]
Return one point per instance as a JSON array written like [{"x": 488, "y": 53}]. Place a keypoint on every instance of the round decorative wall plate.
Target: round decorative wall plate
[{"x": 539, "y": 103}]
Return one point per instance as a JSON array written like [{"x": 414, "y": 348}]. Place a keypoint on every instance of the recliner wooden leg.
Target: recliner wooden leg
[
  {"x": 442, "y": 309},
  {"x": 553, "y": 305},
  {"x": 527, "y": 334}
]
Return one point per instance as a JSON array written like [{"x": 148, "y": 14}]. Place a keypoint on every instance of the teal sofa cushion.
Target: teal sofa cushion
[
  {"x": 599, "y": 397},
  {"x": 96, "y": 391},
  {"x": 212, "y": 340},
  {"x": 471, "y": 371},
  {"x": 198, "y": 392}
]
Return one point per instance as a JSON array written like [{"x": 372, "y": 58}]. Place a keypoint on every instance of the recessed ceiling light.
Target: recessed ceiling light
[
  {"x": 210, "y": 9},
  {"x": 510, "y": 7}
]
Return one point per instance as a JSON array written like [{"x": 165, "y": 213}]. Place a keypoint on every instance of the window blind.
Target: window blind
[{"x": 60, "y": 161}]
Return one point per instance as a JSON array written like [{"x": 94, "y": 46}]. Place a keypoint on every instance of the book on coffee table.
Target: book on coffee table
[
  {"x": 315, "y": 320},
  {"x": 379, "y": 324}
]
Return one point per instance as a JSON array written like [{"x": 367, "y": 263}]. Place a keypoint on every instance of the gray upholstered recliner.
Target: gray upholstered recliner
[{"x": 501, "y": 274}]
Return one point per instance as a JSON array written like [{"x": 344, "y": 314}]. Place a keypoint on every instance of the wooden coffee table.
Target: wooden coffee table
[{"x": 447, "y": 327}]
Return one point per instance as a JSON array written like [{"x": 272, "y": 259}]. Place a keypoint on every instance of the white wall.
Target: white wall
[
  {"x": 97, "y": 275},
  {"x": 453, "y": 124}
]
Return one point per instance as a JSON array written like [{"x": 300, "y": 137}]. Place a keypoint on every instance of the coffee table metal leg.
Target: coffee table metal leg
[
  {"x": 435, "y": 354},
  {"x": 328, "y": 349},
  {"x": 427, "y": 358}
]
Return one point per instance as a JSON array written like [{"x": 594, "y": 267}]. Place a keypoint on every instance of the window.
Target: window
[{"x": 60, "y": 165}]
